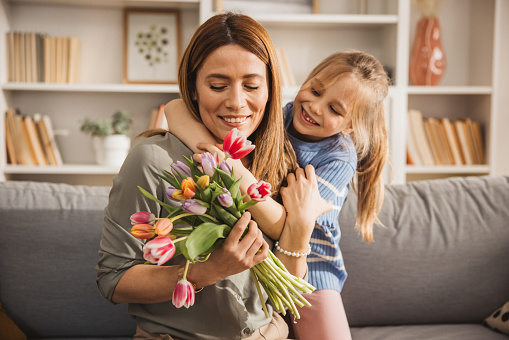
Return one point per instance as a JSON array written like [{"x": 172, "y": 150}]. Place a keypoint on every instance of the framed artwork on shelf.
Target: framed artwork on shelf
[{"x": 151, "y": 46}]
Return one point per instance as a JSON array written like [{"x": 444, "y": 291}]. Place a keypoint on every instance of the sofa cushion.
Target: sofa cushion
[
  {"x": 499, "y": 320},
  {"x": 441, "y": 257},
  {"x": 428, "y": 332},
  {"x": 48, "y": 253}
]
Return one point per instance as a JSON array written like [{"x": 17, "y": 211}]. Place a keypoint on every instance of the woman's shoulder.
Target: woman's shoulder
[{"x": 163, "y": 145}]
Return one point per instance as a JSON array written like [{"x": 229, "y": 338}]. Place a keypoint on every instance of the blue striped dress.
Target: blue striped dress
[{"x": 335, "y": 161}]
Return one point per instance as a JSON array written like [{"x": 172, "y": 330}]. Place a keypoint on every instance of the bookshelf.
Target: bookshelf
[{"x": 475, "y": 32}]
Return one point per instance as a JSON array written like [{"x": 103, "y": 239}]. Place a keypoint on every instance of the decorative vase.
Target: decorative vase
[
  {"x": 427, "y": 63},
  {"x": 111, "y": 150}
]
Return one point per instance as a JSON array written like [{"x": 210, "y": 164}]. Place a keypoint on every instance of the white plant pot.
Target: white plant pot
[{"x": 111, "y": 150}]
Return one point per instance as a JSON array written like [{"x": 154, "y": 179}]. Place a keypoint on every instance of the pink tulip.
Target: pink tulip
[
  {"x": 236, "y": 146},
  {"x": 142, "y": 217},
  {"x": 159, "y": 250},
  {"x": 163, "y": 227},
  {"x": 259, "y": 191},
  {"x": 143, "y": 231},
  {"x": 183, "y": 294}
]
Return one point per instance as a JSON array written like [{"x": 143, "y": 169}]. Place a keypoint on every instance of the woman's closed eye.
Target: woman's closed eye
[{"x": 217, "y": 87}]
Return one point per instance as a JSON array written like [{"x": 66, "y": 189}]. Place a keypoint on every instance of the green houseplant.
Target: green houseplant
[{"x": 110, "y": 139}]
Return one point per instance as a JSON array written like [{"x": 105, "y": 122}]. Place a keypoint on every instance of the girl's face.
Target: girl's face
[
  {"x": 232, "y": 91},
  {"x": 321, "y": 111}
]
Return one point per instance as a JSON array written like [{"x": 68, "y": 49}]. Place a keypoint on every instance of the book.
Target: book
[
  {"x": 52, "y": 144},
  {"x": 9, "y": 142},
  {"x": 413, "y": 157},
  {"x": 44, "y": 139},
  {"x": 447, "y": 151},
  {"x": 478, "y": 141},
  {"x": 74, "y": 57},
  {"x": 452, "y": 138},
  {"x": 464, "y": 141},
  {"x": 416, "y": 126},
  {"x": 433, "y": 142},
  {"x": 287, "y": 75},
  {"x": 34, "y": 141}
]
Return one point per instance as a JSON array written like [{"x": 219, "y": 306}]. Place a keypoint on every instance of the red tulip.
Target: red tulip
[
  {"x": 259, "y": 191},
  {"x": 183, "y": 294},
  {"x": 159, "y": 250},
  {"x": 236, "y": 146}
]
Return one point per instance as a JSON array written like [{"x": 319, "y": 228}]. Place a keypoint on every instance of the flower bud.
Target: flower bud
[
  {"x": 163, "y": 227},
  {"x": 237, "y": 146},
  {"x": 170, "y": 191},
  {"x": 193, "y": 207},
  {"x": 183, "y": 294},
  {"x": 182, "y": 168},
  {"x": 208, "y": 163},
  {"x": 143, "y": 231},
  {"x": 259, "y": 191},
  {"x": 226, "y": 167},
  {"x": 142, "y": 217},
  {"x": 225, "y": 199},
  {"x": 188, "y": 187},
  {"x": 203, "y": 181},
  {"x": 159, "y": 250}
]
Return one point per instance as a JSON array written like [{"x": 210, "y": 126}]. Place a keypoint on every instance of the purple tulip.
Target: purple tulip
[
  {"x": 225, "y": 199},
  {"x": 208, "y": 163},
  {"x": 226, "y": 167},
  {"x": 193, "y": 207},
  {"x": 182, "y": 168}
]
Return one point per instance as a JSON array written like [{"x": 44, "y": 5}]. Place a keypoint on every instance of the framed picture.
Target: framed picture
[{"x": 151, "y": 46}]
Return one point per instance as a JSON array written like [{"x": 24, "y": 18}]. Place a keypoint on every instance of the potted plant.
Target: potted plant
[{"x": 110, "y": 139}]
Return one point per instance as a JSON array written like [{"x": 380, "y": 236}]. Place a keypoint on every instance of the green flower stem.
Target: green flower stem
[
  {"x": 283, "y": 268},
  {"x": 185, "y": 269},
  {"x": 272, "y": 287},
  {"x": 280, "y": 289},
  {"x": 260, "y": 294},
  {"x": 180, "y": 239}
]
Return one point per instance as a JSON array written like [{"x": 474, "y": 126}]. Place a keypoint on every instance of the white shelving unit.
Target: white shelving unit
[{"x": 475, "y": 35}]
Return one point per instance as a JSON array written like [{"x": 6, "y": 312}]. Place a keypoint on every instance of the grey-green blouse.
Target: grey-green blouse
[{"x": 230, "y": 309}]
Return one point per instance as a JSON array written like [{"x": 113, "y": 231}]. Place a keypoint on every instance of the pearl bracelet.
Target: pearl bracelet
[{"x": 294, "y": 254}]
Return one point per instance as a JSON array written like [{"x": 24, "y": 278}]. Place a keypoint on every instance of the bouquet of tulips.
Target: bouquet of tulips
[{"x": 210, "y": 203}]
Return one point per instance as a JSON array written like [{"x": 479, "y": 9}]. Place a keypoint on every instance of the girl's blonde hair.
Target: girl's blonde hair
[
  {"x": 369, "y": 133},
  {"x": 273, "y": 157}
]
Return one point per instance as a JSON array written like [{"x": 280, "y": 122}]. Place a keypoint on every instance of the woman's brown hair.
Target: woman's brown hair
[
  {"x": 273, "y": 157},
  {"x": 369, "y": 133}
]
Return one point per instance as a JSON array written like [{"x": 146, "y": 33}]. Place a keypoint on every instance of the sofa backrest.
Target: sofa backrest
[
  {"x": 49, "y": 242},
  {"x": 443, "y": 256}
]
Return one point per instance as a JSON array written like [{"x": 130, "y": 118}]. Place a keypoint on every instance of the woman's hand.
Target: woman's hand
[
  {"x": 234, "y": 256},
  {"x": 302, "y": 201}
]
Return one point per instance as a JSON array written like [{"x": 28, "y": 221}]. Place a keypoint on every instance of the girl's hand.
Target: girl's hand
[{"x": 302, "y": 199}]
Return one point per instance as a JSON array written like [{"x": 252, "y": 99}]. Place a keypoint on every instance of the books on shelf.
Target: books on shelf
[
  {"x": 287, "y": 76},
  {"x": 440, "y": 141},
  {"x": 30, "y": 140},
  {"x": 38, "y": 57}
]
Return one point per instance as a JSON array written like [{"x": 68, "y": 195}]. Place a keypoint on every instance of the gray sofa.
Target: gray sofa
[{"x": 436, "y": 270}]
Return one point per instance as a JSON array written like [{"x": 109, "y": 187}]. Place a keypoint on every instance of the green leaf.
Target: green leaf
[
  {"x": 195, "y": 171},
  {"x": 147, "y": 194},
  {"x": 225, "y": 215},
  {"x": 175, "y": 182},
  {"x": 247, "y": 205},
  {"x": 206, "y": 195},
  {"x": 204, "y": 237}
]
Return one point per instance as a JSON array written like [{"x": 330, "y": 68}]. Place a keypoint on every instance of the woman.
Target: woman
[{"x": 229, "y": 74}]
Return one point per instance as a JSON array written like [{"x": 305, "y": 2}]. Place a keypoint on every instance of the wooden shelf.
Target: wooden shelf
[
  {"x": 448, "y": 169},
  {"x": 66, "y": 169},
  {"x": 119, "y": 88}
]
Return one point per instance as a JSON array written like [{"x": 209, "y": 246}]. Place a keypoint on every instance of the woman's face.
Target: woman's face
[{"x": 232, "y": 91}]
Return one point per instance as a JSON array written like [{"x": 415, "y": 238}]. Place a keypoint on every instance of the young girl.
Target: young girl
[{"x": 337, "y": 124}]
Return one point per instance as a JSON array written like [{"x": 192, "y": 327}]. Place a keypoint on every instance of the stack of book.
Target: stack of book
[
  {"x": 30, "y": 140},
  {"x": 440, "y": 141},
  {"x": 37, "y": 57},
  {"x": 287, "y": 75}
]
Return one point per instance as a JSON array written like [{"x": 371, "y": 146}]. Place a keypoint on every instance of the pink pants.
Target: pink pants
[{"x": 324, "y": 320}]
